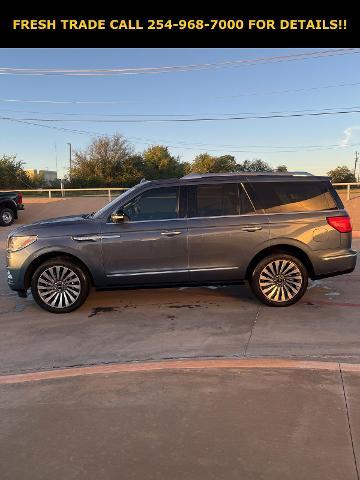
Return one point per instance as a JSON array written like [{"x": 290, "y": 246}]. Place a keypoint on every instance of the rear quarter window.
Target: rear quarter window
[{"x": 284, "y": 197}]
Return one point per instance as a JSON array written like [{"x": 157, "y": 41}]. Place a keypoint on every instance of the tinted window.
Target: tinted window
[
  {"x": 155, "y": 204},
  {"x": 282, "y": 197},
  {"x": 216, "y": 200},
  {"x": 245, "y": 203}
]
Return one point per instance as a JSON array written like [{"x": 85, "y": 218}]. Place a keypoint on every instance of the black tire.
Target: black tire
[
  {"x": 279, "y": 280},
  {"x": 60, "y": 286},
  {"x": 7, "y": 217}
]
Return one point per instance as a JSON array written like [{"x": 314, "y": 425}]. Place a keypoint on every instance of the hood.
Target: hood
[{"x": 57, "y": 226}]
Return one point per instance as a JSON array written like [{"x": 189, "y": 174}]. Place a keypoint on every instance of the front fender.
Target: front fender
[{"x": 89, "y": 254}]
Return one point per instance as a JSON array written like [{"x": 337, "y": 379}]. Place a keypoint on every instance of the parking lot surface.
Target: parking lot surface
[
  {"x": 261, "y": 423},
  {"x": 197, "y": 424}
]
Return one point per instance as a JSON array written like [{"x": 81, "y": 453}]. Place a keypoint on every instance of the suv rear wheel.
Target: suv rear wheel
[
  {"x": 279, "y": 280},
  {"x": 7, "y": 216},
  {"x": 59, "y": 285}
]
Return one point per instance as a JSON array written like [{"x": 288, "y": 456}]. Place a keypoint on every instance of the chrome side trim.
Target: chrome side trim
[
  {"x": 171, "y": 271},
  {"x": 226, "y": 216},
  {"x": 212, "y": 269},
  {"x": 199, "y": 218},
  {"x": 145, "y": 273},
  {"x": 341, "y": 256},
  {"x": 307, "y": 212},
  {"x": 147, "y": 221}
]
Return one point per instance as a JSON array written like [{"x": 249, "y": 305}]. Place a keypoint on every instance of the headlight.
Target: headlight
[{"x": 18, "y": 243}]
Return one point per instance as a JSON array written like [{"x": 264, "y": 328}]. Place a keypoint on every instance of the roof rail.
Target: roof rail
[
  {"x": 301, "y": 174},
  {"x": 231, "y": 174},
  {"x": 222, "y": 174}
]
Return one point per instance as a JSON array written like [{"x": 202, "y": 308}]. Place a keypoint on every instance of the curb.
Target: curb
[{"x": 166, "y": 365}]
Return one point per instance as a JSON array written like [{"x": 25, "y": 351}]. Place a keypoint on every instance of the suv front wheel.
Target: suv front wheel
[
  {"x": 279, "y": 280},
  {"x": 59, "y": 286}
]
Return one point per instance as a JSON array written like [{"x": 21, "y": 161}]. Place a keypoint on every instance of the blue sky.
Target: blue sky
[{"x": 219, "y": 91}]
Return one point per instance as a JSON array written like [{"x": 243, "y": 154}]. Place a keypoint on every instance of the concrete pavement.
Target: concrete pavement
[
  {"x": 197, "y": 424},
  {"x": 171, "y": 323}
]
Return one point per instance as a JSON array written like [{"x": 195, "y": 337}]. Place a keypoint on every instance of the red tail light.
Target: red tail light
[
  {"x": 341, "y": 224},
  {"x": 20, "y": 197}
]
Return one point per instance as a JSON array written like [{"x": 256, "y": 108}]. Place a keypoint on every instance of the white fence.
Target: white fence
[
  {"x": 348, "y": 187},
  {"x": 63, "y": 191},
  {"x": 109, "y": 190}
]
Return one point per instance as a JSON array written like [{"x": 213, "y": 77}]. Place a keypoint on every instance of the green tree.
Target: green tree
[
  {"x": 133, "y": 170},
  {"x": 281, "y": 168},
  {"x": 102, "y": 163},
  {"x": 37, "y": 180},
  {"x": 206, "y": 163},
  {"x": 341, "y": 174},
  {"x": 12, "y": 174},
  {"x": 186, "y": 167},
  {"x": 255, "y": 166},
  {"x": 159, "y": 163}
]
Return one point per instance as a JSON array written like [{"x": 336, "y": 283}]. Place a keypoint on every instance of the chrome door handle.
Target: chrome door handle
[
  {"x": 170, "y": 234},
  {"x": 251, "y": 229},
  {"x": 104, "y": 237},
  {"x": 84, "y": 238}
]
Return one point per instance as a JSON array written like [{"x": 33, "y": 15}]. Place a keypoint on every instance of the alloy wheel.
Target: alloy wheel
[
  {"x": 280, "y": 280},
  {"x": 59, "y": 286}
]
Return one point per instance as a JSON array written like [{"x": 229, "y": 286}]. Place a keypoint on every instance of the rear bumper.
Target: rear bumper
[{"x": 336, "y": 263}]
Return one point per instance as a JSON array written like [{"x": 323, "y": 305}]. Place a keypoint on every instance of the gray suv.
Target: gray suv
[{"x": 272, "y": 230}]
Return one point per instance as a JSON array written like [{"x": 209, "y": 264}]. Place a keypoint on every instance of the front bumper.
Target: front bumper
[{"x": 14, "y": 279}]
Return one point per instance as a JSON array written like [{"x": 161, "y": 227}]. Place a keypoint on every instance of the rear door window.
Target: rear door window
[
  {"x": 214, "y": 200},
  {"x": 284, "y": 197}
]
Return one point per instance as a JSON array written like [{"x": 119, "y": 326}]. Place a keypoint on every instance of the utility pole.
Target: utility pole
[
  {"x": 356, "y": 162},
  {"x": 69, "y": 160},
  {"x": 56, "y": 159}
]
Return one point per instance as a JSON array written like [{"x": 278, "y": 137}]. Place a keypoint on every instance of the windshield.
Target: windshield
[{"x": 100, "y": 212}]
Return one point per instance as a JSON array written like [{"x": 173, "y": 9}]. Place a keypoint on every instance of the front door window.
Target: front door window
[{"x": 155, "y": 204}]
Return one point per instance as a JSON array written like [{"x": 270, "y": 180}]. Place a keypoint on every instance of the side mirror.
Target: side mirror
[{"x": 118, "y": 217}]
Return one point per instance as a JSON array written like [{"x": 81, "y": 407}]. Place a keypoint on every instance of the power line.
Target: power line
[
  {"x": 289, "y": 90},
  {"x": 70, "y": 102},
  {"x": 120, "y": 102},
  {"x": 191, "y": 146},
  {"x": 182, "y": 120},
  {"x": 175, "y": 68},
  {"x": 81, "y": 132},
  {"x": 185, "y": 115}
]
